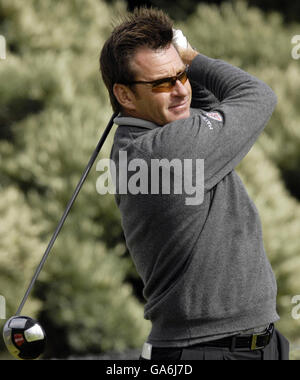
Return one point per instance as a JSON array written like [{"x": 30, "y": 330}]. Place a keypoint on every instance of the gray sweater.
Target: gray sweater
[{"x": 204, "y": 267}]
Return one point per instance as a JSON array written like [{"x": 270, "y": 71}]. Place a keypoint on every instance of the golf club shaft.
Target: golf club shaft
[{"x": 68, "y": 208}]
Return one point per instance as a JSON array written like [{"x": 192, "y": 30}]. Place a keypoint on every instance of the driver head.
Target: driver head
[{"x": 24, "y": 337}]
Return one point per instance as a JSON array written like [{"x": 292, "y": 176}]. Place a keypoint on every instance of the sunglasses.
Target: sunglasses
[{"x": 165, "y": 84}]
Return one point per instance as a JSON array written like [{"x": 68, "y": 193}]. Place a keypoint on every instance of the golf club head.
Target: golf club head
[{"x": 24, "y": 338}]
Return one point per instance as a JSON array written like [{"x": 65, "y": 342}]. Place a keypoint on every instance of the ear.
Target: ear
[{"x": 125, "y": 96}]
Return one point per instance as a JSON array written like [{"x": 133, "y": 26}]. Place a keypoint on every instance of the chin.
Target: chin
[{"x": 173, "y": 116}]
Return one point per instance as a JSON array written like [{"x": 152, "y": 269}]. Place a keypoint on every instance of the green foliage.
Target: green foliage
[
  {"x": 20, "y": 248},
  {"x": 181, "y": 9},
  {"x": 262, "y": 46},
  {"x": 280, "y": 216},
  {"x": 242, "y": 35},
  {"x": 52, "y": 64},
  {"x": 282, "y": 141},
  {"x": 53, "y": 110},
  {"x": 84, "y": 299}
]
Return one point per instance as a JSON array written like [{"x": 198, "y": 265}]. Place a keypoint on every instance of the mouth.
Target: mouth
[{"x": 179, "y": 106}]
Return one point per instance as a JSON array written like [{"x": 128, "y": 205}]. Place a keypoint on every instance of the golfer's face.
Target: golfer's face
[{"x": 160, "y": 107}]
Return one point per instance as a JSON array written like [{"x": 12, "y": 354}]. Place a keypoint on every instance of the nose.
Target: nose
[{"x": 181, "y": 89}]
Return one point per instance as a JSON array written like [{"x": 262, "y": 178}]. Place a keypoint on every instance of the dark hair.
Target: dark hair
[{"x": 144, "y": 27}]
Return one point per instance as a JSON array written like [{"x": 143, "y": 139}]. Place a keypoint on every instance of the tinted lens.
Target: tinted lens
[
  {"x": 183, "y": 77},
  {"x": 168, "y": 85}
]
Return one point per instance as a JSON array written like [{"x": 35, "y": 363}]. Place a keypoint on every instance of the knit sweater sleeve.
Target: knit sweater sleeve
[{"x": 225, "y": 134}]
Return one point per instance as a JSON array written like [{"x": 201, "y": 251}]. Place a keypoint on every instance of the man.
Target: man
[{"x": 210, "y": 290}]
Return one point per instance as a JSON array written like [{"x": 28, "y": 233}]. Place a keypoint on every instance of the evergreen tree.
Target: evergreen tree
[
  {"x": 262, "y": 46},
  {"x": 53, "y": 62},
  {"x": 53, "y": 109},
  {"x": 20, "y": 248}
]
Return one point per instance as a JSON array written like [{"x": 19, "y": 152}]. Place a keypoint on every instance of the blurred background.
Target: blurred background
[{"x": 53, "y": 110}]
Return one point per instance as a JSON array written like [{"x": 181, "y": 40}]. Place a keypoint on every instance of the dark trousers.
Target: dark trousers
[{"x": 277, "y": 349}]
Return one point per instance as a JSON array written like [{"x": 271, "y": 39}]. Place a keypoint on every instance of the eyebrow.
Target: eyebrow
[
  {"x": 170, "y": 76},
  {"x": 163, "y": 79}
]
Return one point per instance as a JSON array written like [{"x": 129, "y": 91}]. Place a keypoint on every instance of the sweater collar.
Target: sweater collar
[
  {"x": 134, "y": 122},
  {"x": 121, "y": 120}
]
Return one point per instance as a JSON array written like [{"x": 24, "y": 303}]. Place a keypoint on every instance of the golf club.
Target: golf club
[{"x": 24, "y": 337}]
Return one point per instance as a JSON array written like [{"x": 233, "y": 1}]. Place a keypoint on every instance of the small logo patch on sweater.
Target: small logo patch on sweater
[
  {"x": 207, "y": 122},
  {"x": 215, "y": 116}
]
